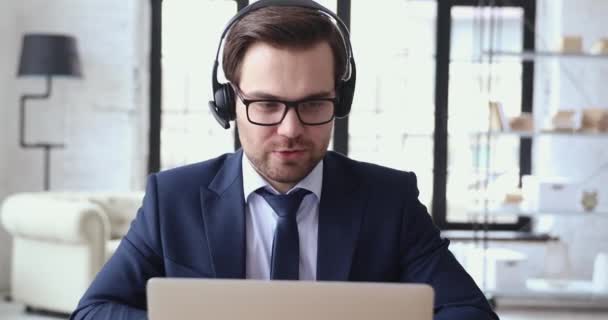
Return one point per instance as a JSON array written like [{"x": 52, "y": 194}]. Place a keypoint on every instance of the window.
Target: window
[
  {"x": 392, "y": 117},
  {"x": 191, "y": 32},
  {"x": 473, "y": 161},
  {"x": 480, "y": 168}
]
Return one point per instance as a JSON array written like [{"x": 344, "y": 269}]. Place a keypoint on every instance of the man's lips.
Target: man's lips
[{"x": 289, "y": 153}]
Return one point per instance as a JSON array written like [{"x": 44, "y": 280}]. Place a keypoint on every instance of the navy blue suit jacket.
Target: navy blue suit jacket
[{"x": 371, "y": 228}]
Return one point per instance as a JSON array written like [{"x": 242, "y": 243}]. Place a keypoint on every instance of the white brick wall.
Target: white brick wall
[
  {"x": 102, "y": 118},
  {"x": 7, "y": 101}
]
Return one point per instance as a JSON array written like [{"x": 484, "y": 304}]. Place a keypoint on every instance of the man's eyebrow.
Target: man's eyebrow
[{"x": 255, "y": 95}]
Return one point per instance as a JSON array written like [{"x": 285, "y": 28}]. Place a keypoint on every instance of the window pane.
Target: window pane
[
  {"x": 191, "y": 31},
  {"x": 392, "y": 117},
  {"x": 476, "y": 160}
]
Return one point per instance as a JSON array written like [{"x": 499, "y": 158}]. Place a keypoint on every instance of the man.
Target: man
[{"x": 289, "y": 68}]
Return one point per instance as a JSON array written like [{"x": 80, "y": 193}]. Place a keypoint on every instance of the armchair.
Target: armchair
[{"x": 60, "y": 242}]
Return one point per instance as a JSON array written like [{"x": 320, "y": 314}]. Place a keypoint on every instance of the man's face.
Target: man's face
[{"x": 285, "y": 153}]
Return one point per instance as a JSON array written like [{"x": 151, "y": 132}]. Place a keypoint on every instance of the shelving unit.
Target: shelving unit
[
  {"x": 522, "y": 134},
  {"x": 491, "y": 66},
  {"x": 554, "y": 299},
  {"x": 534, "y": 55},
  {"x": 542, "y": 213},
  {"x": 541, "y": 292}
]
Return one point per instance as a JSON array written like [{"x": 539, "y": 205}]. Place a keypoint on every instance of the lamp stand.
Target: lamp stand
[{"x": 47, "y": 147}]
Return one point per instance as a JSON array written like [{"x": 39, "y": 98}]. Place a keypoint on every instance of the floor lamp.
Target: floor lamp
[{"x": 45, "y": 55}]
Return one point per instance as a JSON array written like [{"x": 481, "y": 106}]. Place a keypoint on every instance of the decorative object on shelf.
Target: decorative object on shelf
[
  {"x": 559, "y": 194},
  {"x": 589, "y": 200},
  {"x": 45, "y": 55},
  {"x": 600, "y": 47},
  {"x": 572, "y": 44},
  {"x": 591, "y": 119},
  {"x": 551, "y": 194},
  {"x": 566, "y": 120},
  {"x": 603, "y": 124},
  {"x": 514, "y": 197},
  {"x": 498, "y": 120},
  {"x": 522, "y": 123}
]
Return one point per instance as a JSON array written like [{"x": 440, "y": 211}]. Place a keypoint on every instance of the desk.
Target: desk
[{"x": 549, "y": 314}]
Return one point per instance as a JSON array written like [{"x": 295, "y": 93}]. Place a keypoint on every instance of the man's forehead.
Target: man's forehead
[{"x": 269, "y": 71}]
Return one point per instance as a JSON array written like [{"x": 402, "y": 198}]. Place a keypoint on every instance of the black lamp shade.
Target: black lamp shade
[{"x": 49, "y": 54}]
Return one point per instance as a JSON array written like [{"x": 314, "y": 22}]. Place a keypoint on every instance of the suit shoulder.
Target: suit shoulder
[
  {"x": 374, "y": 173},
  {"x": 200, "y": 173}
]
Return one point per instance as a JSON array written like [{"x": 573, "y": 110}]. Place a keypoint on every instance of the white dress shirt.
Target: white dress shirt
[{"x": 261, "y": 220}]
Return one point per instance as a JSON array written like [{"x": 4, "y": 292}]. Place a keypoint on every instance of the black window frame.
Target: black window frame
[
  {"x": 443, "y": 42},
  {"x": 156, "y": 76}
]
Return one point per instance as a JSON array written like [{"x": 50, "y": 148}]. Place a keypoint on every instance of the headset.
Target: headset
[{"x": 223, "y": 106}]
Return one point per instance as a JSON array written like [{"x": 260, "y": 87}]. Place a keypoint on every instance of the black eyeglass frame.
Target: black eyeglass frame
[{"x": 289, "y": 105}]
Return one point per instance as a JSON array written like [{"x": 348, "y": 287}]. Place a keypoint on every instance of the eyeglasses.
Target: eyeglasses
[{"x": 271, "y": 112}]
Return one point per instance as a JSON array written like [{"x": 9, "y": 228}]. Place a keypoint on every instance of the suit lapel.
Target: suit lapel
[
  {"x": 340, "y": 214},
  {"x": 224, "y": 219},
  {"x": 343, "y": 200}
]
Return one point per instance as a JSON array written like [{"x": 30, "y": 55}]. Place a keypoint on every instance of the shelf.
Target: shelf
[
  {"x": 521, "y": 212},
  {"x": 522, "y": 134},
  {"x": 519, "y": 134},
  {"x": 502, "y": 236},
  {"x": 531, "y": 56},
  {"x": 536, "y": 299}
]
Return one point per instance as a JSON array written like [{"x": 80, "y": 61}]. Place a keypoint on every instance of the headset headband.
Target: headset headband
[{"x": 343, "y": 30}]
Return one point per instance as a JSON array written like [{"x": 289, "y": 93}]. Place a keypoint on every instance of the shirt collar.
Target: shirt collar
[{"x": 252, "y": 180}]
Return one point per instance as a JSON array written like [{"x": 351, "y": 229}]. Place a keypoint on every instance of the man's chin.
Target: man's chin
[
  {"x": 288, "y": 177},
  {"x": 288, "y": 172}
]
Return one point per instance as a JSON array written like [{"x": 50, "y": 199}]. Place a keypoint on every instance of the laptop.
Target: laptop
[{"x": 189, "y": 299}]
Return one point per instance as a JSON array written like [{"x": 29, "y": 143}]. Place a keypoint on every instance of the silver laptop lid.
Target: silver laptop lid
[{"x": 185, "y": 299}]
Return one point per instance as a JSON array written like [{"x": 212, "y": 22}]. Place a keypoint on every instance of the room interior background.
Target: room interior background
[{"x": 103, "y": 119}]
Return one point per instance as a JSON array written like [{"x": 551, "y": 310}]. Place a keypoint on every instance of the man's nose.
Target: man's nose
[{"x": 291, "y": 126}]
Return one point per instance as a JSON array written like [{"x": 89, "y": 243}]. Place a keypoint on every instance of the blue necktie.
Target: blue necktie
[{"x": 285, "y": 262}]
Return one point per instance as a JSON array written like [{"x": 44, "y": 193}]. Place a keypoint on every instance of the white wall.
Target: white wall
[
  {"x": 102, "y": 117},
  {"x": 96, "y": 116},
  {"x": 8, "y": 100},
  {"x": 576, "y": 84}
]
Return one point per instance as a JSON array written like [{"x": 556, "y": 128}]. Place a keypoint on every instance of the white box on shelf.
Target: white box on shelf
[
  {"x": 600, "y": 46},
  {"x": 494, "y": 269},
  {"x": 551, "y": 194},
  {"x": 571, "y": 44}
]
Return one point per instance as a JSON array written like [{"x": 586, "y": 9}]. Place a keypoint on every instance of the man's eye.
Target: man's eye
[
  {"x": 269, "y": 104},
  {"x": 315, "y": 104}
]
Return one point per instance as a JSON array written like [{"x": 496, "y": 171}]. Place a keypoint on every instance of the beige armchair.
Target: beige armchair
[{"x": 60, "y": 242}]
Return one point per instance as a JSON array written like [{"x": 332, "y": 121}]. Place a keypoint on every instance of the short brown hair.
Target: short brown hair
[{"x": 282, "y": 26}]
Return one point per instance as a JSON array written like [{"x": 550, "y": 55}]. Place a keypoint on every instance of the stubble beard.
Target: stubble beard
[{"x": 283, "y": 171}]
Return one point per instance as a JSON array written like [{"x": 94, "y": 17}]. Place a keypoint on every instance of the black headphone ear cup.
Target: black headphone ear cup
[
  {"x": 224, "y": 100},
  {"x": 347, "y": 91}
]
